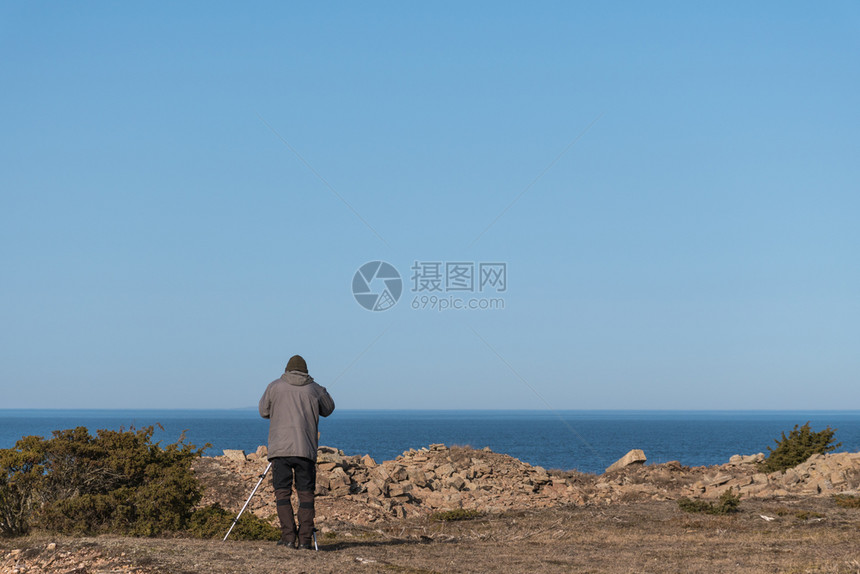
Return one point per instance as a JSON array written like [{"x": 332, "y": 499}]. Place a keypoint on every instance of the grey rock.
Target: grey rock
[
  {"x": 635, "y": 456},
  {"x": 237, "y": 455}
]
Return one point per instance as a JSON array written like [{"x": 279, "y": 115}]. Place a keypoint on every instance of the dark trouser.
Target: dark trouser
[{"x": 283, "y": 468}]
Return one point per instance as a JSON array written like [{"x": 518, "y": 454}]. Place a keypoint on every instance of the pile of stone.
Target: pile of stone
[
  {"x": 821, "y": 474},
  {"x": 359, "y": 490},
  {"x": 438, "y": 477}
]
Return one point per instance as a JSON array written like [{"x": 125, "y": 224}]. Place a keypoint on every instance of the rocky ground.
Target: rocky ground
[
  {"x": 355, "y": 489},
  {"x": 379, "y": 517}
]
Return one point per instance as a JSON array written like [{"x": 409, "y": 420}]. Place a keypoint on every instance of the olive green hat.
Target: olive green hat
[{"x": 297, "y": 363}]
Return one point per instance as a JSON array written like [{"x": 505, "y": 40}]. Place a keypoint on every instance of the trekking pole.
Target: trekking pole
[{"x": 259, "y": 482}]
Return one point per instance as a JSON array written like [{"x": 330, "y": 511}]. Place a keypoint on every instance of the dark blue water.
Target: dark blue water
[{"x": 584, "y": 440}]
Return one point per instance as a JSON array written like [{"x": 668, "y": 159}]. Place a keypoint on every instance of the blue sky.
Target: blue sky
[{"x": 187, "y": 191}]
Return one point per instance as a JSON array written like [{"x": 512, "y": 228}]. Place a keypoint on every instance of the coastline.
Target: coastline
[{"x": 587, "y": 441}]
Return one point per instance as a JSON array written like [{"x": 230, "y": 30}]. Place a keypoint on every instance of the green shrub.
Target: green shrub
[
  {"x": 456, "y": 514},
  {"x": 689, "y": 505},
  {"x": 214, "y": 522},
  {"x": 116, "y": 482},
  {"x": 728, "y": 503},
  {"x": 797, "y": 447},
  {"x": 21, "y": 479},
  {"x": 847, "y": 501}
]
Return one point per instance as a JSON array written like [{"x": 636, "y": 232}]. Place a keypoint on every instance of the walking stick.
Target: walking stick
[{"x": 259, "y": 482}]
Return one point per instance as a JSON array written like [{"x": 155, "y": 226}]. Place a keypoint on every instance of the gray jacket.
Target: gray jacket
[{"x": 293, "y": 404}]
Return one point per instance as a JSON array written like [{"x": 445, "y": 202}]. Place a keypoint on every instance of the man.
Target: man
[{"x": 293, "y": 404}]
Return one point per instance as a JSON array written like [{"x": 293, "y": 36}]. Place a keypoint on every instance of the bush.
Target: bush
[
  {"x": 116, "y": 482},
  {"x": 214, "y": 522},
  {"x": 689, "y": 505},
  {"x": 728, "y": 503},
  {"x": 847, "y": 501},
  {"x": 21, "y": 479},
  {"x": 797, "y": 447},
  {"x": 456, "y": 514}
]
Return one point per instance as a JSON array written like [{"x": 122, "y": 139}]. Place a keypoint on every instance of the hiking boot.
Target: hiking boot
[
  {"x": 289, "y": 544},
  {"x": 304, "y": 546}
]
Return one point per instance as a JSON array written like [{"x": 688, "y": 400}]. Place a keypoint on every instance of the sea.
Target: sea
[{"x": 587, "y": 441}]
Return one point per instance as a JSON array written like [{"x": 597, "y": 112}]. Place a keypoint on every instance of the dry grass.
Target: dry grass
[{"x": 622, "y": 538}]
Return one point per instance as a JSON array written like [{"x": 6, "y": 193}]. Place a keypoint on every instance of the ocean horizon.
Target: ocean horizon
[{"x": 584, "y": 440}]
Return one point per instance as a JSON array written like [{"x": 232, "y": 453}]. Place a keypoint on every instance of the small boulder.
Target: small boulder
[
  {"x": 457, "y": 482},
  {"x": 398, "y": 473},
  {"x": 740, "y": 459},
  {"x": 417, "y": 477},
  {"x": 399, "y": 489},
  {"x": 444, "y": 470},
  {"x": 635, "y": 456},
  {"x": 329, "y": 454},
  {"x": 720, "y": 480},
  {"x": 237, "y": 455}
]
